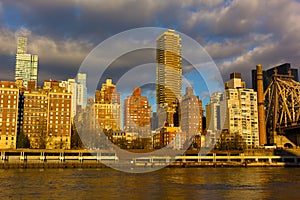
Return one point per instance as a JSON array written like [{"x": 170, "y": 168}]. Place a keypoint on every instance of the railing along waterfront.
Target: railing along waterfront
[{"x": 80, "y": 158}]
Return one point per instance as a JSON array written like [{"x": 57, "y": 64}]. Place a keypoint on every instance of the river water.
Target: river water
[{"x": 167, "y": 183}]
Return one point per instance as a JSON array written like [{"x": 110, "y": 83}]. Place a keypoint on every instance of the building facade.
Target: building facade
[
  {"x": 170, "y": 137},
  {"x": 137, "y": 113},
  {"x": 71, "y": 86},
  {"x": 168, "y": 77},
  {"x": 9, "y": 97},
  {"x": 213, "y": 112},
  {"x": 241, "y": 116},
  {"x": 81, "y": 89},
  {"x": 191, "y": 113},
  {"x": 46, "y": 116},
  {"x": 108, "y": 107},
  {"x": 35, "y": 118},
  {"x": 26, "y": 64}
]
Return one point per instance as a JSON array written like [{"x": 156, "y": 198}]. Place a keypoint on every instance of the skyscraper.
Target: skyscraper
[
  {"x": 168, "y": 77},
  {"x": 81, "y": 90},
  {"x": 26, "y": 64}
]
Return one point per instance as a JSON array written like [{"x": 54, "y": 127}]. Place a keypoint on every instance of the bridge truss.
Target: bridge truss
[{"x": 282, "y": 101}]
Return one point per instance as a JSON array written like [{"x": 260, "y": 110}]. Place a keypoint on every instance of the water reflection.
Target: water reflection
[{"x": 169, "y": 183}]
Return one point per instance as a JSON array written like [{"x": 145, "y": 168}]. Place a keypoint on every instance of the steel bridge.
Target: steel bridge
[{"x": 282, "y": 101}]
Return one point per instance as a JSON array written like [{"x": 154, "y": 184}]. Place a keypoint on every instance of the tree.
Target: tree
[
  {"x": 23, "y": 140},
  {"x": 76, "y": 142}
]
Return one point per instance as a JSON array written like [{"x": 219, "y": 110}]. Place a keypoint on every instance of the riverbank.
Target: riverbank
[
  {"x": 71, "y": 165},
  {"x": 37, "y": 158}
]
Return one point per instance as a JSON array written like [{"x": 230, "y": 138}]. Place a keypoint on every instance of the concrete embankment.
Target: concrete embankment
[
  {"x": 70, "y": 165},
  {"x": 27, "y": 158}
]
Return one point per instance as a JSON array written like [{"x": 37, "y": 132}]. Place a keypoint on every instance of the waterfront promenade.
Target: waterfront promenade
[{"x": 40, "y": 158}]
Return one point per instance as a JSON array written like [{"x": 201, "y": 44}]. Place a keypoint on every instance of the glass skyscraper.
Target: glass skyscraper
[
  {"x": 81, "y": 90},
  {"x": 26, "y": 64}
]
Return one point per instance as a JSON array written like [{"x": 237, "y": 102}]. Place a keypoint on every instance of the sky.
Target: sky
[{"x": 237, "y": 34}]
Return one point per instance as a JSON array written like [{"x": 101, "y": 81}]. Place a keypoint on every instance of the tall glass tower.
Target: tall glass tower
[
  {"x": 168, "y": 77},
  {"x": 81, "y": 89},
  {"x": 26, "y": 64}
]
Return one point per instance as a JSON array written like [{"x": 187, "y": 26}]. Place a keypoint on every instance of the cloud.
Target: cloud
[
  {"x": 237, "y": 34},
  {"x": 249, "y": 32},
  {"x": 58, "y": 57}
]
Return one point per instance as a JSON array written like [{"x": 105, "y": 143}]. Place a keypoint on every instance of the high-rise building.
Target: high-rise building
[
  {"x": 9, "y": 97},
  {"x": 137, "y": 113},
  {"x": 35, "y": 117},
  {"x": 26, "y": 64},
  {"x": 191, "y": 113},
  {"x": 241, "y": 114},
  {"x": 59, "y": 124},
  {"x": 81, "y": 90},
  {"x": 213, "y": 112},
  {"x": 71, "y": 86},
  {"x": 108, "y": 107},
  {"x": 168, "y": 77},
  {"x": 46, "y": 116}
]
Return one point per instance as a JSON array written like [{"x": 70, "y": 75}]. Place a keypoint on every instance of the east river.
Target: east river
[{"x": 167, "y": 183}]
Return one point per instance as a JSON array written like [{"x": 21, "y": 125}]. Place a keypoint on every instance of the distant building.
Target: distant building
[
  {"x": 108, "y": 107},
  {"x": 81, "y": 89},
  {"x": 168, "y": 78},
  {"x": 172, "y": 137},
  {"x": 154, "y": 121},
  {"x": 283, "y": 69},
  {"x": 213, "y": 112},
  {"x": 26, "y": 64},
  {"x": 191, "y": 113},
  {"x": 137, "y": 112},
  {"x": 71, "y": 86},
  {"x": 9, "y": 97}
]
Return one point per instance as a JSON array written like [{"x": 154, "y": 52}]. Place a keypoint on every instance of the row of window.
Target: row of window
[
  {"x": 6, "y": 138},
  {"x": 8, "y": 106},
  {"x": 7, "y": 91},
  {"x": 8, "y": 96},
  {"x": 8, "y": 120}
]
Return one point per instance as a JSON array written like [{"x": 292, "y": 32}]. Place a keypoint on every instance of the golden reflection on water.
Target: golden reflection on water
[{"x": 169, "y": 183}]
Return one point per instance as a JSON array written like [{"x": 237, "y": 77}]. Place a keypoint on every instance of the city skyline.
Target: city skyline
[
  {"x": 173, "y": 67},
  {"x": 141, "y": 99}
]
